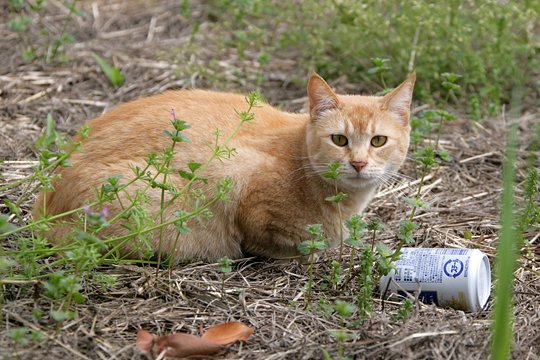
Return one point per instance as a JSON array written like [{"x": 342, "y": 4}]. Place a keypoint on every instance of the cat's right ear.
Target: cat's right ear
[
  {"x": 399, "y": 100},
  {"x": 321, "y": 97}
]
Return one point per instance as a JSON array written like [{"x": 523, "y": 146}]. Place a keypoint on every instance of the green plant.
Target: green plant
[
  {"x": 87, "y": 247},
  {"x": 50, "y": 46},
  {"x": 224, "y": 266},
  {"x": 341, "y": 336},
  {"x": 310, "y": 248},
  {"x": 334, "y": 277},
  {"x": 404, "y": 311},
  {"x": 356, "y": 227},
  {"x": 344, "y": 309},
  {"x": 487, "y": 43},
  {"x": 112, "y": 72},
  {"x": 24, "y": 336},
  {"x": 380, "y": 67},
  {"x": 506, "y": 259},
  {"x": 333, "y": 173}
]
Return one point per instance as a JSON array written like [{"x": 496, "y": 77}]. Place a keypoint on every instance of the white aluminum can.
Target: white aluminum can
[{"x": 457, "y": 278}]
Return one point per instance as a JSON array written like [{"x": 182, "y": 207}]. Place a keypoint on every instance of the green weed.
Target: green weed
[
  {"x": 48, "y": 46},
  {"x": 506, "y": 260},
  {"x": 362, "y": 40},
  {"x": 112, "y": 72},
  {"x": 310, "y": 248},
  {"x": 224, "y": 266},
  {"x": 20, "y": 262}
]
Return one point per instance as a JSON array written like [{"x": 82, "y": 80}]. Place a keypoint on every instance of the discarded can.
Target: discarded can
[{"x": 457, "y": 278}]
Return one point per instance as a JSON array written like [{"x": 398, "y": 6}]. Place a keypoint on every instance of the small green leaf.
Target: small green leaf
[
  {"x": 305, "y": 247},
  {"x": 344, "y": 309},
  {"x": 375, "y": 224},
  {"x": 176, "y": 136},
  {"x": 225, "y": 265},
  {"x": 13, "y": 208},
  {"x": 404, "y": 311},
  {"x": 74, "y": 9},
  {"x": 341, "y": 335},
  {"x": 380, "y": 66},
  {"x": 49, "y": 136},
  {"x": 180, "y": 125},
  {"x": 186, "y": 174},
  {"x": 450, "y": 86},
  {"x": 77, "y": 297},
  {"x": 355, "y": 242},
  {"x": 337, "y": 198},
  {"x": 37, "y": 313},
  {"x": 19, "y": 23},
  {"x": 406, "y": 230},
  {"x": 113, "y": 73},
  {"x": 314, "y": 229},
  {"x": 59, "y": 315},
  {"x": 450, "y": 77},
  {"x": 19, "y": 4},
  {"x": 333, "y": 172},
  {"x": 29, "y": 54},
  {"x": 384, "y": 265},
  {"x": 443, "y": 155},
  {"x": 181, "y": 226},
  {"x": 5, "y": 225},
  {"x": 64, "y": 39},
  {"x": 194, "y": 166},
  {"x": 224, "y": 186},
  {"x": 19, "y": 335},
  {"x": 414, "y": 202},
  {"x": 6, "y": 263},
  {"x": 383, "y": 249},
  {"x": 37, "y": 336}
]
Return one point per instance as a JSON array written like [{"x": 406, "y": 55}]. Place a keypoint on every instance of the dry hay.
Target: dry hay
[{"x": 462, "y": 195}]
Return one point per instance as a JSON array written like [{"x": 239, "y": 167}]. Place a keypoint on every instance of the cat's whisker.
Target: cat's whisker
[{"x": 397, "y": 173}]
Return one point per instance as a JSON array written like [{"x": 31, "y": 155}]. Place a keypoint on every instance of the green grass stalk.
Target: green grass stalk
[{"x": 501, "y": 341}]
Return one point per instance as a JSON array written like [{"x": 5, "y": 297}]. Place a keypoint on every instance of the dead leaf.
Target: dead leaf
[
  {"x": 183, "y": 345},
  {"x": 227, "y": 333},
  {"x": 145, "y": 340}
]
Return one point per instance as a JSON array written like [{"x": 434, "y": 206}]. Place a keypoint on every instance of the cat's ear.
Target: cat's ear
[
  {"x": 399, "y": 100},
  {"x": 321, "y": 97}
]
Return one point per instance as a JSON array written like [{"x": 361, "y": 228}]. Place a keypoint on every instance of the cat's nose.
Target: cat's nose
[{"x": 358, "y": 165}]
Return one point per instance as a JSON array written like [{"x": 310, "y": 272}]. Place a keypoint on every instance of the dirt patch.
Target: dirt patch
[{"x": 149, "y": 42}]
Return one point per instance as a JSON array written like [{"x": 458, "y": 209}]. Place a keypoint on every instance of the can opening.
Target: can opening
[{"x": 484, "y": 282}]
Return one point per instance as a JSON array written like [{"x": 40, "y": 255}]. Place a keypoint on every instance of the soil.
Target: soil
[{"x": 153, "y": 46}]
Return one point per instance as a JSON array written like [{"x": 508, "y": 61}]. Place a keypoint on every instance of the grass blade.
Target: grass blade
[
  {"x": 501, "y": 342},
  {"x": 112, "y": 72}
]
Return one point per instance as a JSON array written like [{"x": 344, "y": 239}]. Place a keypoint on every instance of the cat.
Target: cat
[{"x": 278, "y": 187}]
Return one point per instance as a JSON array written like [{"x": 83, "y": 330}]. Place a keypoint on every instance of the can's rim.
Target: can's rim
[{"x": 483, "y": 282}]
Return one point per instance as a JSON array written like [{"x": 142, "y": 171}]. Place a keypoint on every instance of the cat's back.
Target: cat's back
[{"x": 137, "y": 128}]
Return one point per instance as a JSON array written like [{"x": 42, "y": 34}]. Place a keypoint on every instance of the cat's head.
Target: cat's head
[{"x": 367, "y": 135}]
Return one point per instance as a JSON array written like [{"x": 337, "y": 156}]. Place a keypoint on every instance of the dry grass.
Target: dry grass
[{"x": 463, "y": 195}]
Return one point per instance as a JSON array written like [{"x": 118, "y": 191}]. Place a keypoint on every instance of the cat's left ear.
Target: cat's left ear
[
  {"x": 321, "y": 97},
  {"x": 399, "y": 100}
]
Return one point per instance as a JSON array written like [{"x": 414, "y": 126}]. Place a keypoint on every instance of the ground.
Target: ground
[{"x": 146, "y": 42}]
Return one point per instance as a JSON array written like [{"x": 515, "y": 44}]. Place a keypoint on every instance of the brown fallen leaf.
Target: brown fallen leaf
[
  {"x": 183, "y": 345},
  {"x": 145, "y": 340},
  {"x": 229, "y": 332},
  {"x": 176, "y": 345}
]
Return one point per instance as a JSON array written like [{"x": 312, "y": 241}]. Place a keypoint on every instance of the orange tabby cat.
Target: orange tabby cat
[{"x": 278, "y": 187}]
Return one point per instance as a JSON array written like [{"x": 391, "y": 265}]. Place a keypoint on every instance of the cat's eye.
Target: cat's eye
[
  {"x": 378, "y": 141},
  {"x": 340, "y": 140}
]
